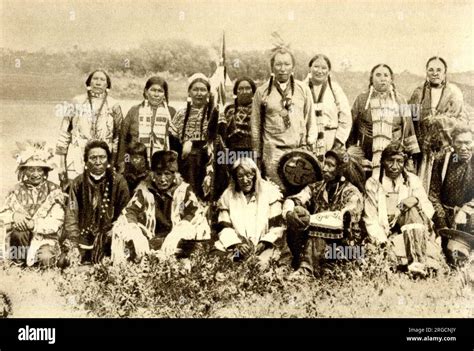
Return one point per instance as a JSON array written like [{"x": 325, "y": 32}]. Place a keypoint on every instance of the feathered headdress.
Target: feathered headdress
[{"x": 33, "y": 154}]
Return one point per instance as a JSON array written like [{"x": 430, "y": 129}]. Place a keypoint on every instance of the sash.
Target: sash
[{"x": 153, "y": 127}]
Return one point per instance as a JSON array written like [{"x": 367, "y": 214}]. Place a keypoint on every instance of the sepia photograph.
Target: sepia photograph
[{"x": 250, "y": 159}]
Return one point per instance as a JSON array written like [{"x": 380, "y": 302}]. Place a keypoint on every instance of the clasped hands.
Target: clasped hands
[
  {"x": 23, "y": 222},
  {"x": 242, "y": 251}
]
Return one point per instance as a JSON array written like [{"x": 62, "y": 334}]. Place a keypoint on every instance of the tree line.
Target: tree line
[{"x": 179, "y": 58}]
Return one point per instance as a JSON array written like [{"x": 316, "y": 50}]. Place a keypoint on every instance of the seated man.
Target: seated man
[
  {"x": 163, "y": 214},
  {"x": 338, "y": 198},
  {"x": 136, "y": 165},
  {"x": 96, "y": 199},
  {"x": 249, "y": 215},
  {"x": 452, "y": 187},
  {"x": 397, "y": 211},
  {"x": 33, "y": 210}
]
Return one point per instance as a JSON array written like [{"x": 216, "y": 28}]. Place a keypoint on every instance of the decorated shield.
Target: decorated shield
[{"x": 298, "y": 168}]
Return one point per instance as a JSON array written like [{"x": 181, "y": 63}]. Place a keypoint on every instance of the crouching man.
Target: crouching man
[
  {"x": 397, "y": 213},
  {"x": 163, "y": 214},
  {"x": 96, "y": 199},
  {"x": 34, "y": 210},
  {"x": 325, "y": 212}
]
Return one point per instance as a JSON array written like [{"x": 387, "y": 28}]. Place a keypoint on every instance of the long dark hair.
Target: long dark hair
[
  {"x": 394, "y": 148},
  {"x": 208, "y": 108},
  {"x": 95, "y": 143},
  {"x": 371, "y": 79},
  {"x": 323, "y": 88},
  {"x": 318, "y": 56},
  {"x": 282, "y": 51},
  {"x": 137, "y": 148},
  {"x": 443, "y": 61},
  {"x": 253, "y": 86},
  {"x": 156, "y": 80}
]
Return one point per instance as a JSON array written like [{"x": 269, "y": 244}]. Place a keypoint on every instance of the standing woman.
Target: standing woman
[
  {"x": 94, "y": 115},
  {"x": 238, "y": 129},
  {"x": 381, "y": 115},
  {"x": 149, "y": 121},
  {"x": 333, "y": 113},
  {"x": 282, "y": 115},
  {"x": 190, "y": 127},
  {"x": 440, "y": 108}
]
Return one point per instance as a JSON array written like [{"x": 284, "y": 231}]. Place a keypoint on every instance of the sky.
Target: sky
[{"x": 403, "y": 34}]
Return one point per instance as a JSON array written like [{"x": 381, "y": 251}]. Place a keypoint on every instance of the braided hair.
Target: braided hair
[
  {"x": 371, "y": 83},
  {"x": 208, "y": 108},
  {"x": 371, "y": 79},
  {"x": 394, "y": 148},
  {"x": 96, "y": 222},
  {"x": 282, "y": 51}
]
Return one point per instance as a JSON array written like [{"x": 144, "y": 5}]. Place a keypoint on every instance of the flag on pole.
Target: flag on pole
[
  {"x": 218, "y": 82},
  {"x": 220, "y": 79}
]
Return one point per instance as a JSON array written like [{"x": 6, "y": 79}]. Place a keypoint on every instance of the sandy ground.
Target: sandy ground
[{"x": 34, "y": 294}]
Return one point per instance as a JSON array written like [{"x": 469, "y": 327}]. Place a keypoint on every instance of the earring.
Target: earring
[
  {"x": 188, "y": 99},
  {"x": 85, "y": 167}
]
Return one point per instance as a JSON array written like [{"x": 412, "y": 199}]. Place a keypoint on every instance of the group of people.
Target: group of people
[{"x": 310, "y": 172}]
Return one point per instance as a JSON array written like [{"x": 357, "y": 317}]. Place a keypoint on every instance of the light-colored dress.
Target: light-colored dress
[
  {"x": 80, "y": 124},
  {"x": 335, "y": 119}
]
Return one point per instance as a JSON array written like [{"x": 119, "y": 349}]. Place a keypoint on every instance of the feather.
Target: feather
[{"x": 278, "y": 42}]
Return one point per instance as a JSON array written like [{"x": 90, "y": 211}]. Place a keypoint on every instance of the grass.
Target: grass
[{"x": 212, "y": 287}]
